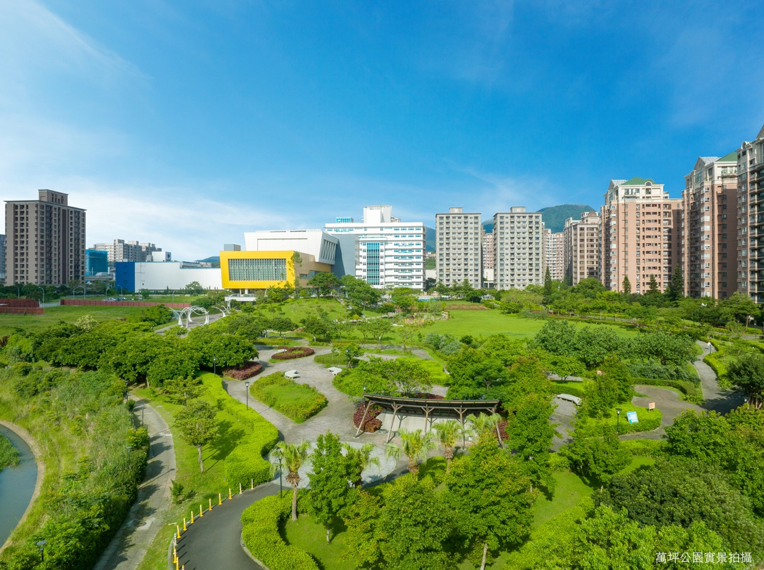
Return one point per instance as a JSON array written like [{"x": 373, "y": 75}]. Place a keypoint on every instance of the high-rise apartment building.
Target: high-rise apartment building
[
  {"x": 381, "y": 250},
  {"x": 750, "y": 218},
  {"x": 518, "y": 248},
  {"x": 459, "y": 248},
  {"x": 2, "y": 259},
  {"x": 709, "y": 231},
  {"x": 554, "y": 255},
  {"x": 121, "y": 250},
  {"x": 641, "y": 235},
  {"x": 45, "y": 240},
  {"x": 488, "y": 251},
  {"x": 583, "y": 247}
]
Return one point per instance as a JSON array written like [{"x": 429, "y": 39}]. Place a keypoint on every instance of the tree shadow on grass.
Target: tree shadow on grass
[{"x": 229, "y": 436}]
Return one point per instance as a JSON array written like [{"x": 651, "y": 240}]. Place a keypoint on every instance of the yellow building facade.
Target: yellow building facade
[{"x": 247, "y": 270}]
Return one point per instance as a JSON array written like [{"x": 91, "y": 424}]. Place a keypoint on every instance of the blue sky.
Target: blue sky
[{"x": 188, "y": 123}]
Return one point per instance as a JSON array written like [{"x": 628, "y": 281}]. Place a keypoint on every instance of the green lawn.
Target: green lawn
[
  {"x": 310, "y": 536},
  {"x": 296, "y": 401},
  {"x": 570, "y": 490},
  {"x": 298, "y": 309},
  {"x": 434, "y": 368},
  {"x": 476, "y": 323},
  {"x": 67, "y": 313}
]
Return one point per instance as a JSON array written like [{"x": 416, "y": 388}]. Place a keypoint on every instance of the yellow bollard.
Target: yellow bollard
[
  {"x": 229, "y": 494},
  {"x": 239, "y": 488},
  {"x": 210, "y": 504},
  {"x": 252, "y": 483},
  {"x": 220, "y": 499},
  {"x": 177, "y": 567},
  {"x": 184, "y": 525},
  {"x": 174, "y": 555},
  {"x": 178, "y": 527},
  {"x": 192, "y": 518},
  {"x": 201, "y": 513}
]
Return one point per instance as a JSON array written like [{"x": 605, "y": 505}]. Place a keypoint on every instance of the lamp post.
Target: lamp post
[
  {"x": 246, "y": 385},
  {"x": 41, "y": 544},
  {"x": 280, "y": 480},
  {"x": 129, "y": 447},
  {"x": 617, "y": 420},
  {"x": 214, "y": 364}
]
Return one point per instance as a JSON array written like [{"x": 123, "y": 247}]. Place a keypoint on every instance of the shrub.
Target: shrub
[
  {"x": 648, "y": 420},
  {"x": 292, "y": 352},
  {"x": 260, "y": 533},
  {"x": 572, "y": 388},
  {"x": 669, "y": 372},
  {"x": 297, "y": 401},
  {"x": 245, "y": 463},
  {"x": 244, "y": 371},
  {"x": 371, "y": 424}
]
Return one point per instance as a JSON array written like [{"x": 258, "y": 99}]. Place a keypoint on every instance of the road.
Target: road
[{"x": 129, "y": 545}]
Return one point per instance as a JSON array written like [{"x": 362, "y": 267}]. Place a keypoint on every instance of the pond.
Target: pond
[{"x": 16, "y": 485}]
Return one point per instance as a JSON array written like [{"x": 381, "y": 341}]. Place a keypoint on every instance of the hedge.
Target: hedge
[
  {"x": 653, "y": 370},
  {"x": 245, "y": 463},
  {"x": 648, "y": 420},
  {"x": 296, "y": 401},
  {"x": 572, "y": 388},
  {"x": 716, "y": 364},
  {"x": 290, "y": 353},
  {"x": 260, "y": 533}
]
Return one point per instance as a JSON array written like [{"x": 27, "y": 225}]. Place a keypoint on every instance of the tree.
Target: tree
[
  {"x": 595, "y": 451},
  {"x": 215, "y": 347},
  {"x": 282, "y": 325},
  {"x": 145, "y": 293},
  {"x": 357, "y": 460},
  {"x": 292, "y": 456},
  {"x": 194, "y": 288},
  {"x": 377, "y": 328},
  {"x": 180, "y": 390},
  {"x": 626, "y": 285},
  {"x": 747, "y": 373},
  {"x": 319, "y": 327},
  {"x": 530, "y": 435},
  {"x": 547, "y": 283},
  {"x": 557, "y": 337},
  {"x": 324, "y": 283},
  {"x": 174, "y": 358},
  {"x": 414, "y": 445},
  {"x": 481, "y": 379},
  {"x": 615, "y": 371},
  {"x": 359, "y": 292},
  {"x": 329, "y": 488},
  {"x": 653, "y": 290},
  {"x": 489, "y": 493},
  {"x": 484, "y": 423},
  {"x": 414, "y": 526},
  {"x": 362, "y": 519},
  {"x": 447, "y": 435},
  {"x": 675, "y": 289},
  {"x": 197, "y": 426},
  {"x": 349, "y": 352}
]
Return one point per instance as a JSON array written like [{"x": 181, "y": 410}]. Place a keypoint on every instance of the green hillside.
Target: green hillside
[{"x": 554, "y": 216}]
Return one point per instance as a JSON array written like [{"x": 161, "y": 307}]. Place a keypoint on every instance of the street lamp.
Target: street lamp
[
  {"x": 617, "y": 420},
  {"x": 129, "y": 447},
  {"x": 42, "y": 544},
  {"x": 214, "y": 364},
  {"x": 246, "y": 385},
  {"x": 280, "y": 480}
]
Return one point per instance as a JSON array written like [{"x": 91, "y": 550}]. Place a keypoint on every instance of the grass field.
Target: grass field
[
  {"x": 296, "y": 401},
  {"x": 476, "y": 323},
  {"x": 434, "y": 368},
  {"x": 568, "y": 493},
  {"x": 310, "y": 536},
  {"x": 67, "y": 313}
]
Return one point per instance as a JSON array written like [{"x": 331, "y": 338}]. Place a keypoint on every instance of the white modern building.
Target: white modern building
[
  {"x": 321, "y": 245},
  {"x": 382, "y": 250},
  {"x": 459, "y": 238},
  {"x": 170, "y": 275},
  {"x": 518, "y": 248}
]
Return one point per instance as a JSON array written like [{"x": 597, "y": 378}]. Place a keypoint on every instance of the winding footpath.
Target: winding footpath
[{"x": 129, "y": 545}]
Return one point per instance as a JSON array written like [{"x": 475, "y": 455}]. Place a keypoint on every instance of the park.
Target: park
[{"x": 334, "y": 427}]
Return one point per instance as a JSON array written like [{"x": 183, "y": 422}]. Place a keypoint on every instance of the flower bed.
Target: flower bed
[
  {"x": 372, "y": 423},
  {"x": 292, "y": 352},
  {"x": 244, "y": 371},
  {"x": 296, "y": 401}
]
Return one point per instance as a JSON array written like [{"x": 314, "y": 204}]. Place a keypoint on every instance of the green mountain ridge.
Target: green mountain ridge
[{"x": 554, "y": 216}]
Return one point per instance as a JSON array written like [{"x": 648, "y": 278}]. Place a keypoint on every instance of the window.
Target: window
[{"x": 257, "y": 269}]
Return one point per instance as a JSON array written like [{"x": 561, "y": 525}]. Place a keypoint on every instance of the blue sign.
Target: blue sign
[{"x": 632, "y": 417}]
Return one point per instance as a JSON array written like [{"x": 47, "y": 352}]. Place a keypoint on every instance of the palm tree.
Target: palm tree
[
  {"x": 358, "y": 460},
  {"x": 484, "y": 423},
  {"x": 414, "y": 444},
  {"x": 292, "y": 456},
  {"x": 447, "y": 434}
]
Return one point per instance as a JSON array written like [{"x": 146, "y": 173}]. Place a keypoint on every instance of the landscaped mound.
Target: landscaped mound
[
  {"x": 296, "y": 401},
  {"x": 260, "y": 533},
  {"x": 244, "y": 371},
  {"x": 371, "y": 423},
  {"x": 292, "y": 352}
]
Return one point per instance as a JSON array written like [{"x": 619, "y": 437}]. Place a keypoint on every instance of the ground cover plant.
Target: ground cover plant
[
  {"x": 296, "y": 401},
  {"x": 9, "y": 455},
  {"x": 291, "y": 353}
]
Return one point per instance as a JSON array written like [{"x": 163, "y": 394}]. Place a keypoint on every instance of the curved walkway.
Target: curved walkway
[
  {"x": 128, "y": 547},
  {"x": 717, "y": 399}
]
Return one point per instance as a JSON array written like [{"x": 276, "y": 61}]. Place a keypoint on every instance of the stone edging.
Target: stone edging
[
  {"x": 32, "y": 443},
  {"x": 246, "y": 550}
]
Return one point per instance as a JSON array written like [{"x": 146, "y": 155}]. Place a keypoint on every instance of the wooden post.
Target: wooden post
[
  {"x": 392, "y": 423},
  {"x": 363, "y": 419}
]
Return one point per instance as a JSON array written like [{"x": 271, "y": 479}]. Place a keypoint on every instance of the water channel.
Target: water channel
[{"x": 16, "y": 485}]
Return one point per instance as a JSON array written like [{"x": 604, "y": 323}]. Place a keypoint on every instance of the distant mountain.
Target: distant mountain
[
  {"x": 213, "y": 259},
  {"x": 554, "y": 217},
  {"x": 429, "y": 239}
]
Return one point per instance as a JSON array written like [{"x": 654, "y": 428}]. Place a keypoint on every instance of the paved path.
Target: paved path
[
  {"x": 717, "y": 399},
  {"x": 129, "y": 545}
]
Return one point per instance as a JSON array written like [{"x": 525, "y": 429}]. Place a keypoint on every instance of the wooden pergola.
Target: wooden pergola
[{"x": 431, "y": 409}]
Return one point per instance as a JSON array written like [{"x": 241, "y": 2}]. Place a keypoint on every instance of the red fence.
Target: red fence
[
  {"x": 81, "y": 302},
  {"x": 19, "y": 303},
  {"x": 21, "y": 310}
]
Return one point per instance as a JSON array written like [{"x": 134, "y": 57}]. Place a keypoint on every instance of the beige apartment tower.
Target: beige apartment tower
[
  {"x": 583, "y": 247},
  {"x": 750, "y": 218},
  {"x": 459, "y": 238},
  {"x": 518, "y": 247},
  {"x": 45, "y": 240},
  {"x": 641, "y": 235},
  {"x": 554, "y": 255},
  {"x": 709, "y": 240},
  {"x": 121, "y": 250}
]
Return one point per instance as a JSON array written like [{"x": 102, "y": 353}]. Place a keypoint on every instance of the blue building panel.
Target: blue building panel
[
  {"x": 96, "y": 261},
  {"x": 125, "y": 276}
]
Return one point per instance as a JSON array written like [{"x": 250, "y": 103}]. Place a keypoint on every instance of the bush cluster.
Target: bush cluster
[
  {"x": 245, "y": 463},
  {"x": 260, "y": 533},
  {"x": 693, "y": 393},
  {"x": 244, "y": 371},
  {"x": 668, "y": 372},
  {"x": 294, "y": 400},
  {"x": 372, "y": 423},
  {"x": 292, "y": 352}
]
